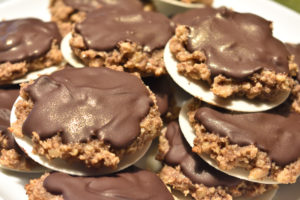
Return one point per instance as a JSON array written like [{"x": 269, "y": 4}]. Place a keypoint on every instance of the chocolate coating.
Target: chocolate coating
[
  {"x": 294, "y": 49},
  {"x": 86, "y": 104},
  {"x": 7, "y": 99},
  {"x": 26, "y": 39},
  {"x": 192, "y": 166},
  {"x": 83, "y": 5},
  {"x": 236, "y": 45},
  {"x": 275, "y": 132},
  {"x": 102, "y": 31},
  {"x": 90, "y": 5},
  {"x": 162, "y": 89},
  {"x": 134, "y": 185}
]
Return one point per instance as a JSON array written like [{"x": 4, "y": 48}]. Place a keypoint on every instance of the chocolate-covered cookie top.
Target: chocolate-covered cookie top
[
  {"x": 236, "y": 45},
  {"x": 134, "y": 184},
  {"x": 275, "y": 132},
  {"x": 294, "y": 49},
  {"x": 90, "y": 5},
  {"x": 103, "y": 30},
  {"x": 192, "y": 166},
  {"x": 7, "y": 98},
  {"x": 86, "y": 104},
  {"x": 26, "y": 39}
]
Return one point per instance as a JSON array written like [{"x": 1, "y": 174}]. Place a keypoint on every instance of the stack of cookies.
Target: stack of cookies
[
  {"x": 232, "y": 57},
  {"x": 232, "y": 134}
]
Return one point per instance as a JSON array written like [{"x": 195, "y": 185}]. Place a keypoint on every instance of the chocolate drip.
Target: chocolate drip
[
  {"x": 294, "y": 49},
  {"x": 191, "y": 164},
  {"x": 276, "y": 133},
  {"x": 86, "y": 104},
  {"x": 102, "y": 31},
  {"x": 26, "y": 39},
  {"x": 236, "y": 45},
  {"x": 162, "y": 89},
  {"x": 90, "y": 5},
  {"x": 7, "y": 99},
  {"x": 135, "y": 185}
]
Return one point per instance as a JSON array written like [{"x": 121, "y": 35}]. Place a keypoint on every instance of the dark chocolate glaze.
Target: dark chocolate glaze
[
  {"x": 162, "y": 89},
  {"x": 102, "y": 31},
  {"x": 122, "y": 4},
  {"x": 191, "y": 164},
  {"x": 134, "y": 185},
  {"x": 275, "y": 132},
  {"x": 90, "y": 5},
  {"x": 26, "y": 39},
  {"x": 236, "y": 45},
  {"x": 295, "y": 50},
  {"x": 7, "y": 99},
  {"x": 86, "y": 104},
  {"x": 83, "y": 5}
]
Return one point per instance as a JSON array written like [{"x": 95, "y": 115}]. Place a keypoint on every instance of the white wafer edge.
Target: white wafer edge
[
  {"x": 200, "y": 90},
  {"x": 68, "y": 54},
  {"x": 189, "y": 135},
  {"x": 74, "y": 168},
  {"x": 148, "y": 161},
  {"x": 37, "y": 169},
  {"x": 35, "y": 74}
]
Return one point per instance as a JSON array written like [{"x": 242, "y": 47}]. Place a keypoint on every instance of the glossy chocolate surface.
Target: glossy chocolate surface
[
  {"x": 87, "y": 104},
  {"x": 192, "y": 166},
  {"x": 122, "y": 4},
  {"x": 26, "y": 39},
  {"x": 275, "y": 132},
  {"x": 102, "y": 31},
  {"x": 90, "y": 5},
  {"x": 236, "y": 45},
  {"x": 133, "y": 185},
  {"x": 83, "y": 5}
]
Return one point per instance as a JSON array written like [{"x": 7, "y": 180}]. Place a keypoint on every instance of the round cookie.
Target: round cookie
[
  {"x": 21, "y": 49},
  {"x": 11, "y": 156},
  {"x": 265, "y": 144},
  {"x": 186, "y": 172},
  {"x": 123, "y": 40},
  {"x": 235, "y": 53},
  {"x": 67, "y": 12},
  {"x": 95, "y": 116},
  {"x": 130, "y": 184}
]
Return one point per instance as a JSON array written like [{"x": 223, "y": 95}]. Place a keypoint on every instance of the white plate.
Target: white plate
[{"x": 286, "y": 27}]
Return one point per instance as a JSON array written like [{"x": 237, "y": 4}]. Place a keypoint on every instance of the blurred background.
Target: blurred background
[{"x": 293, "y": 4}]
